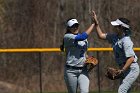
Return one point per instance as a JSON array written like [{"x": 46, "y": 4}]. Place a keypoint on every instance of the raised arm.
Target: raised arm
[
  {"x": 85, "y": 34},
  {"x": 90, "y": 29},
  {"x": 99, "y": 31}
]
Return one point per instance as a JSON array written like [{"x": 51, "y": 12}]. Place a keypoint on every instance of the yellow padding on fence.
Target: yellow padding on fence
[{"x": 52, "y": 49}]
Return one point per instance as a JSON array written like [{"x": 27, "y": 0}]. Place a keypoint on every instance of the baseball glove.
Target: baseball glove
[
  {"x": 113, "y": 73},
  {"x": 90, "y": 63}
]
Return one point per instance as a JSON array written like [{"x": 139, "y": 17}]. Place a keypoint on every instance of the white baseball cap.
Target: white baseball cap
[
  {"x": 71, "y": 22},
  {"x": 119, "y": 22}
]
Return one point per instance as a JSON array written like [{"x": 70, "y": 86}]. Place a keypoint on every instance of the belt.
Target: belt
[
  {"x": 73, "y": 67},
  {"x": 134, "y": 62}
]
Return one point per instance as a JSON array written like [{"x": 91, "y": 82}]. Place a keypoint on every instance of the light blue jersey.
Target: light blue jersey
[
  {"x": 75, "y": 50},
  {"x": 123, "y": 48}
]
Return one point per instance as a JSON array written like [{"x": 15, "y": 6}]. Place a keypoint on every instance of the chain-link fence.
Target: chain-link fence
[{"x": 38, "y": 70}]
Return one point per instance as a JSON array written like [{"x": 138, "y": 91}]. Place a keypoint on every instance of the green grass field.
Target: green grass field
[{"x": 92, "y": 92}]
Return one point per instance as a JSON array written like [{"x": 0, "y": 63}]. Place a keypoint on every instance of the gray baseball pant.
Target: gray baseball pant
[
  {"x": 129, "y": 79},
  {"x": 76, "y": 77}
]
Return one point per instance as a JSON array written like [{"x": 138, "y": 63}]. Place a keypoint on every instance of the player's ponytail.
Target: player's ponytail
[
  {"x": 62, "y": 46},
  {"x": 67, "y": 31}
]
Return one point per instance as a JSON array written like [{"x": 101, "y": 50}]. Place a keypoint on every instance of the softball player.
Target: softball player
[
  {"x": 76, "y": 45},
  {"x": 123, "y": 50}
]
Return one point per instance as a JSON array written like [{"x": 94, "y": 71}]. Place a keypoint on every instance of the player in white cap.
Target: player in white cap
[
  {"x": 76, "y": 45},
  {"x": 123, "y": 50}
]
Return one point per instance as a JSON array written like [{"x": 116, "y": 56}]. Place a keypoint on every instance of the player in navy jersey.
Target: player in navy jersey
[{"x": 123, "y": 50}]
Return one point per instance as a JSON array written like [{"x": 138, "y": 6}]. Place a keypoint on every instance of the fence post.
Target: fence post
[
  {"x": 98, "y": 73},
  {"x": 40, "y": 72}
]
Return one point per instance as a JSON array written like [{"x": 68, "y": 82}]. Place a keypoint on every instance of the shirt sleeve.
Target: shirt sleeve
[
  {"x": 81, "y": 37},
  {"x": 128, "y": 47},
  {"x": 109, "y": 37}
]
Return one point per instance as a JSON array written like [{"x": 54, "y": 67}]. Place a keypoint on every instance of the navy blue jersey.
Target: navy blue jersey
[{"x": 123, "y": 48}]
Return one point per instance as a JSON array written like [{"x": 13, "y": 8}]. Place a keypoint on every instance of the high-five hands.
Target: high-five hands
[{"x": 94, "y": 17}]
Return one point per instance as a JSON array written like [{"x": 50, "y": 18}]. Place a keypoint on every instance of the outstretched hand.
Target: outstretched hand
[{"x": 94, "y": 17}]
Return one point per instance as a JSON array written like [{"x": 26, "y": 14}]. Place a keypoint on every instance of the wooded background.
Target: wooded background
[{"x": 41, "y": 24}]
